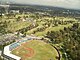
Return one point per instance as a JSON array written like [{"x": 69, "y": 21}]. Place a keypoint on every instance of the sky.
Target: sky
[{"x": 73, "y": 4}]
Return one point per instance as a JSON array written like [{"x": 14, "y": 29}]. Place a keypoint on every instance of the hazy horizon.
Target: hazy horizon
[{"x": 56, "y": 3}]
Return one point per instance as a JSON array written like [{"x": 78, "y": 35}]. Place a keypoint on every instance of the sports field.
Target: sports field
[{"x": 36, "y": 50}]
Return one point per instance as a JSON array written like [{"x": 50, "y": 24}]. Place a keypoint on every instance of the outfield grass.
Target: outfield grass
[{"x": 39, "y": 51}]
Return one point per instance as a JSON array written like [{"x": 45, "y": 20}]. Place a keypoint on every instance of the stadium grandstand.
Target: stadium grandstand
[{"x": 7, "y": 50}]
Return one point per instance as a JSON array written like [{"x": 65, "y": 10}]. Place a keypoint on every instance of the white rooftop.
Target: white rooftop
[{"x": 7, "y": 52}]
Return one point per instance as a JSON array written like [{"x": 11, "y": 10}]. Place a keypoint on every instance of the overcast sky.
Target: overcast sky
[{"x": 60, "y": 3}]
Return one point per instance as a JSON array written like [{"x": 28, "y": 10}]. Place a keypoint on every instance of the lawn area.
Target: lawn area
[
  {"x": 42, "y": 33},
  {"x": 57, "y": 28},
  {"x": 17, "y": 25},
  {"x": 36, "y": 50},
  {"x": 34, "y": 29}
]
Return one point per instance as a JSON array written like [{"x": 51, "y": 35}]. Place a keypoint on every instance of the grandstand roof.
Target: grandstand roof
[{"x": 7, "y": 52}]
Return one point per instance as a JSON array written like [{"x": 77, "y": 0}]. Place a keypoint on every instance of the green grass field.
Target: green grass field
[
  {"x": 36, "y": 50},
  {"x": 42, "y": 33}
]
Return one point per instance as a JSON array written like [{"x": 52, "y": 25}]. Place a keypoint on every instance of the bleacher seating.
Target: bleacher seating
[{"x": 16, "y": 44}]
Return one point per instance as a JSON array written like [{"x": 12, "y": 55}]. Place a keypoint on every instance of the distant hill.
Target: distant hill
[
  {"x": 35, "y": 8},
  {"x": 41, "y": 7}
]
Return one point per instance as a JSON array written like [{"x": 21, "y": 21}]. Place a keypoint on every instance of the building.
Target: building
[
  {"x": 7, "y": 54},
  {"x": 14, "y": 11},
  {"x": 0, "y": 52},
  {"x": 4, "y": 8}
]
